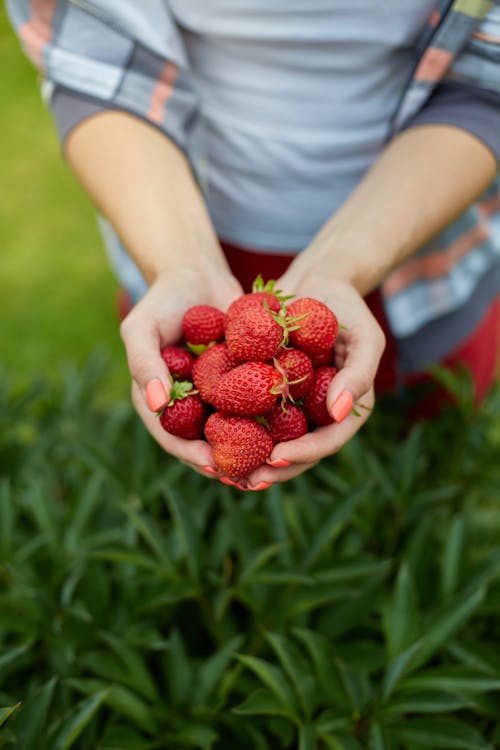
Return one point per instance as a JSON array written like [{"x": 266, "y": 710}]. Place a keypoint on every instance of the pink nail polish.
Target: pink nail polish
[
  {"x": 261, "y": 486},
  {"x": 156, "y": 395},
  {"x": 210, "y": 470},
  {"x": 342, "y": 406},
  {"x": 279, "y": 463},
  {"x": 226, "y": 480}
]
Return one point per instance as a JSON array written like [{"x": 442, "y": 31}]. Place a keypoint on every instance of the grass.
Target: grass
[{"x": 56, "y": 289}]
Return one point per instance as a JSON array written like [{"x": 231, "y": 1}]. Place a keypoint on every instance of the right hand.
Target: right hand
[{"x": 154, "y": 323}]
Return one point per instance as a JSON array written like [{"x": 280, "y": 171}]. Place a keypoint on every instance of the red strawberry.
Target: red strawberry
[
  {"x": 317, "y": 330},
  {"x": 210, "y": 367},
  {"x": 239, "y": 444},
  {"x": 254, "y": 335},
  {"x": 315, "y": 400},
  {"x": 298, "y": 371},
  {"x": 248, "y": 390},
  {"x": 323, "y": 359},
  {"x": 247, "y": 301},
  {"x": 286, "y": 424},
  {"x": 185, "y": 413},
  {"x": 178, "y": 360},
  {"x": 203, "y": 325}
]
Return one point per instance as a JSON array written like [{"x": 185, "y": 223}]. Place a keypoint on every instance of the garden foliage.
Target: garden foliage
[{"x": 145, "y": 607}]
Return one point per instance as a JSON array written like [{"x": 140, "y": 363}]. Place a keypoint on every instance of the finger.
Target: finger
[
  {"x": 324, "y": 441},
  {"x": 197, "y": 453},
  {"x": 268, "y": 475},
  {"x": 361, "y": 352},
  {"x": 147, "y": 368}
]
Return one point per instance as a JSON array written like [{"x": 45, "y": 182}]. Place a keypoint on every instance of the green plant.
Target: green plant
[{"x": 145, "y": 607}]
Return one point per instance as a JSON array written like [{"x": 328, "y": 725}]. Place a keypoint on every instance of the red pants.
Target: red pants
[{"x": 479, "y": 353}]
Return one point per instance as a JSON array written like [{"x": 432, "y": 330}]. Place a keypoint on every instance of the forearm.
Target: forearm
[
  {"x": 425, "y": 178},
  {"x": 141, "y": 181}
]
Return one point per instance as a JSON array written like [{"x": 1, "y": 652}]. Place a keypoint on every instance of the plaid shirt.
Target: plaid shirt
[{"x": 148, "y": 75}]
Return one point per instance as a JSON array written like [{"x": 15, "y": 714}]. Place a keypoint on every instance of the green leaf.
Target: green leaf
[
  {"x": 127, "y": 556},
  {"x": 212, "y": 669},
  {"x": 295, "y": 669},
  {"x": 7, "y": 519},
  {"x": 458, "y": 681},
  {"x": 140, "y": 677},
  {"x": 83, "y": 510},
  {"x": 31, "y": 722},
  {"x": 377, "y": 740},
  {"x": 326, "y": 667},
  {"x": 121, "y": 699},
  {"x": 453, "y": 553},
  {"x": 333, "y": 524},
  {"x": 274, "y": 678},
  {"x": 5, "y": 713},
  {"x": 307, "y": 737},
  {"x": 257, "y": 561},
  {"x": 179, "y": 670},
  {"x": 408, "y": 458},
  {"x": 11, "y": 656},
  {"x": 400, "y": 615},
  {"x": 341, "y": 741},
  {"x": 352, "y": 612},
  {"x": 186, "y": 531},
  {"x": 426, "y": 702},
  {"x": 438, "y": 734},
  {"x": 439, "y": 631},
  {"x": 149, "y": 532},
  {"x": 263, "y": 702},
  {"x": 197, "y": 736},
  {"x": 78, "y": 720}
]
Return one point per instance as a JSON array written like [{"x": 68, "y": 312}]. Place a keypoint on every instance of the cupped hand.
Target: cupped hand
[
  {"x": 358, "y": 350},
  {"x": 154, "y": 323}
]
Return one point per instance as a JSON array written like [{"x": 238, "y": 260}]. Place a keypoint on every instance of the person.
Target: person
[{"x": 349, "y": 149}]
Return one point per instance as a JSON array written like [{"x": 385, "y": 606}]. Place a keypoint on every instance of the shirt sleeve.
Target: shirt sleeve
[
  {"x": 110, "y": 54},
  {"x": 465, "y": 106}
]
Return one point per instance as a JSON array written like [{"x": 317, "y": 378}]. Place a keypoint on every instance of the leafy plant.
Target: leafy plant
[{"x": 144, "y": 607}]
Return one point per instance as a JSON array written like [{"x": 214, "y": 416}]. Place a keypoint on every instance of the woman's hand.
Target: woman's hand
[
  {"x": 152, "y": 324},
  {"x": 358, "y": 350}
]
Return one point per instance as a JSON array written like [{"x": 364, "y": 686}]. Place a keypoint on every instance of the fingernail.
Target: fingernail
[
  {"x": 261, "y": 486},
  {"x": 210, "y": 470},
  {"x": 231, "y": 483},
  {"x": 156, "y": 395},
  {"x": 278, "y": 463},
  {"x": 342, "y": 406},
  {"x": 226, "y": 480}
]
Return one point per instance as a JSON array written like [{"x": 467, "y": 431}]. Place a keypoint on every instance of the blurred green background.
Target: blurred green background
[{"x": 57, "y": 292}]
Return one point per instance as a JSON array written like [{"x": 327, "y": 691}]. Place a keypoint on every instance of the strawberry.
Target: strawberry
[
  {"x": 209, "y": 367},
  {"x": 315, "y": 400},
  {"x": 316, "y": 331},
  {"x": 297, "y": 370},
  {"x": 262, "y": 295},
  {"x": 178, "y": 360},
  {"x": 185, "y": 413},
  {"x": 203, "y": 325},
  {"x": 248, "y": 390},
  {"x": 253, "y": 299},
  {"x": 323, "y": 359},
  {"x": 253, "y": 335},
  {"x": 239, "y": 444},
  {"x": 286, "y": 424}
]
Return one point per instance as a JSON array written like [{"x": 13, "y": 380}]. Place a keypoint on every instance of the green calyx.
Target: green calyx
[
  {"x": 269, "y": 286},
  {"x": 198, "y": 349},
  {"x": 180, "y": 389},
  {"x": 286, "y": 322}
]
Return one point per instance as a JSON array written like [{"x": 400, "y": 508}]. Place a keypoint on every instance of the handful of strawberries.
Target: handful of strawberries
[{"x": 251, "y": 377}]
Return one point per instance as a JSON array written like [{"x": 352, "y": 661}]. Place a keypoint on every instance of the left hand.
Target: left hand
[{"x": 358, "y": 350}]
